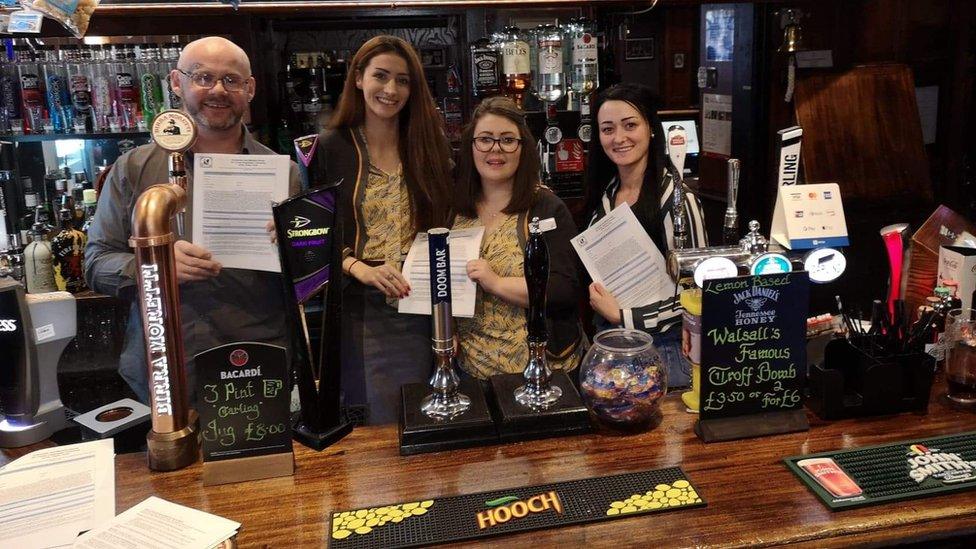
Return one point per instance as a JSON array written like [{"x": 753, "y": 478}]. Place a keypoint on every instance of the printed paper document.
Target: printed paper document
[
  {"x": 50, "y": 496},
  {"x": 465, "y": 245},
  {"x": 157, "y": 524},
  {"x": 619, "y": 254},
  {"x": 232, "y": 197}
]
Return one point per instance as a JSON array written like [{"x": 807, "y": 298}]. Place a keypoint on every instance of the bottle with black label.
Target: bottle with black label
[
  {"x": 68, "y": 253},
  {"x": 485, "y": 75}
]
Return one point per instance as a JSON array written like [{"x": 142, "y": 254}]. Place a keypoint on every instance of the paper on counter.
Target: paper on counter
[
  {"x": 49, "y": 496},
  {"x": 157, "y": 523},
  {"x": 465, "y": 245},
  {"x": 619, "y": 254},
  {"x": 232, "y": 197}
]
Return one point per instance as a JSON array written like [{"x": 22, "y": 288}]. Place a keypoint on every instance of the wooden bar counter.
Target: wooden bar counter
[{"x": 753, "y": 500}]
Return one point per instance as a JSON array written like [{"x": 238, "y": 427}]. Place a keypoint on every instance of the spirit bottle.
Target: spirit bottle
[
  {"x": 484, "y": 69},
  {"x": 550, "y": 84},
  {"x": 79, "y": 87},
  {"x": 584, "y": 56},
  {"x": 38, "y": 264},
  {"x": 515, "y": 65},
  {"x": 31, "y": 93},
  {"x": 68, "y": 249}
]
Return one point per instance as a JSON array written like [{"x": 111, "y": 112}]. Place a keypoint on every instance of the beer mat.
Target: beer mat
[
  {"x": 911, "y": 469},
  {"x": 499, "y": 512}
]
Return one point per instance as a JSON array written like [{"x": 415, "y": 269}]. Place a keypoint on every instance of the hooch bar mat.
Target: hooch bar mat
[
  {"x": 499, "y": 512},
  {"x": 890, "y": 472}
]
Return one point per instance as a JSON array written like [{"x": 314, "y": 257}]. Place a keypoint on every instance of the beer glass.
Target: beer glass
[{"x": 960, "y": 340}]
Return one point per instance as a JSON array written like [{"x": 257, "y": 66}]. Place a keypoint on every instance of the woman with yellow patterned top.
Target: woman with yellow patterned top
[
  {"x": 499, "y": 189},
  {"x": 386, "y": 148}
]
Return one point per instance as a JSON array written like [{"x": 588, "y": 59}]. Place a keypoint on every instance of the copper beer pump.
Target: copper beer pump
[{"x": 173, "y": 442}]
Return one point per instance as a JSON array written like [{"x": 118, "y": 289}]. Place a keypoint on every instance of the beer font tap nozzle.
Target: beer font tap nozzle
[
  {"x": 677, "y": 144},
  {"x": 730, "y": 227},
  {"x": 537, "y": 393},
  {"x": 445, "y": 402}
]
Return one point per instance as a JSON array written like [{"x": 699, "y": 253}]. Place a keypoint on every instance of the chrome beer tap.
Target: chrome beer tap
[{"x": 677, "y": 144}]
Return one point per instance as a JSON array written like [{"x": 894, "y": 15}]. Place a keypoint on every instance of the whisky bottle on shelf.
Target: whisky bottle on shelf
[
  {"x": 38, "y": 259},
  {"x": 485, "y": 69},
  {"x": 516, "y": 65}
]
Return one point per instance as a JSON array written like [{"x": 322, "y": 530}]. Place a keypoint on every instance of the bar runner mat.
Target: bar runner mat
[
  {"x": 890, "y": 472},
  {"x": 499, "y": 512}
]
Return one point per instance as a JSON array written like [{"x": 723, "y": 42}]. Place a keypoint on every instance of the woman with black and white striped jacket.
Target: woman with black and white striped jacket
[{"x": 627, "y": 165}]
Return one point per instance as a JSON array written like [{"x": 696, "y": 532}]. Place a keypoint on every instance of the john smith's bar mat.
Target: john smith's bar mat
[
  {"x": 457, "y": 518},
  {"x": 891, "y": 472}
]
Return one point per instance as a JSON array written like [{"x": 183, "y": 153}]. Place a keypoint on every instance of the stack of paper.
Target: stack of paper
[
  {"x": 49, "y": 496},
  {"x": 157, "y": 523},
  {"x": 464, "y": 245}
]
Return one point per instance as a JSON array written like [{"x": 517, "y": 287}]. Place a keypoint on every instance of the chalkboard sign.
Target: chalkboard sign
[
  {"x": 243, "y": 398},
  {"x": 753, "y": 351}
]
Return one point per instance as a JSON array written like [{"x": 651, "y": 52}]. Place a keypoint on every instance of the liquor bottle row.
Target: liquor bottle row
[
  {"x": 85, "y": 89},
  {"x": 309, "y": 87},
  {"x": 46, "y": 250},
  {"x": 546, "y": 62}
]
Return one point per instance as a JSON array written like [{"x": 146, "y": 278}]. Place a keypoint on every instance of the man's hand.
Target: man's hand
[
  {"x": 480, "y": 271},
  {"x": 270, "y": 227},
  {"x": 193, "y": 263},
  {"x": 603, "y": 302}
]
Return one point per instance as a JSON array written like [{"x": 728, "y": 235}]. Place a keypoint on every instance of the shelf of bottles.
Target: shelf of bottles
[
  {"x": 71, "y": 88},
  {"x": 541, "y": 69}
]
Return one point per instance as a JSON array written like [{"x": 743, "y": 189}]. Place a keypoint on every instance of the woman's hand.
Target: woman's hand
[
  {"x": 603, "y": 302},
  {"x": 384, "y": 278},
  {"x": 480, "y": 271}
]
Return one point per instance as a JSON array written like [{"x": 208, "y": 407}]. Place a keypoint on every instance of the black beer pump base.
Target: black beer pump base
[
  {"x": 568, "y": 416},
  {"x": 319, "y": 441},
  {"x": 420, "y": 434}
]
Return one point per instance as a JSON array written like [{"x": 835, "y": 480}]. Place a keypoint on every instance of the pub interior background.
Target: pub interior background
[{"x": 661, "y": 47}]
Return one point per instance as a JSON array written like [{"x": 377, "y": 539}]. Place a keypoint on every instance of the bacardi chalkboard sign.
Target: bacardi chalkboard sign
[
  {"x": 753, "y": 353},
  {"x": 243, "y": 398}
]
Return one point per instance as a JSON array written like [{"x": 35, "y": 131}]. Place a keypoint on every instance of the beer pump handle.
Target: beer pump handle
[
  {"x": 730, "y": 228},
  {"x": 536, "y": 269},
  {"x": 677, "y": 146}
]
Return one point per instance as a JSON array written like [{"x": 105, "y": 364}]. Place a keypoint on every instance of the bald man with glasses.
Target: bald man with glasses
[{"x": 219, "y": 306}]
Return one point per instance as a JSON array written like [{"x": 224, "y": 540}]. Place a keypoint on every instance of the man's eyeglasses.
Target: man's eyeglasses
[
  {"x": 507, "y": 144},
  {"x": 207, "y": 81}
]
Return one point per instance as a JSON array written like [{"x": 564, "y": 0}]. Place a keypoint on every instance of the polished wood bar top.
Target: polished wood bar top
[{"x": 753, "y": 500}]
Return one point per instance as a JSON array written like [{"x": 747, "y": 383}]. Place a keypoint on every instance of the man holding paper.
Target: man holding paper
[{"x": 219, "y": 305}]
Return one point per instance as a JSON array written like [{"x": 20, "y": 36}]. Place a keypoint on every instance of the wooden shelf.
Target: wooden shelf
[{"x": 33, "y": 137}]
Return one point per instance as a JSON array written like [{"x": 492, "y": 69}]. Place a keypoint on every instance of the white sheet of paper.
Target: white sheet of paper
[
  {"x": 465, "y": 245},
  {"x": 51, "y": 495},
  {"x": 157, "y": 523},
  {"x": 232, "y": 196},
  {"x": 619, "y": 254}
]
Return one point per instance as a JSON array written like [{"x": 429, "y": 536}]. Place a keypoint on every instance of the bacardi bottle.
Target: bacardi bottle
[
  {"x": 550, "y": 83},
  {"x": 585, "y": 58},
  {"x": 516, "y": 65}
]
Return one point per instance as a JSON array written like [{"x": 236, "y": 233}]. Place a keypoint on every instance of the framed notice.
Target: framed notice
[{"x": 753, "y": 355}]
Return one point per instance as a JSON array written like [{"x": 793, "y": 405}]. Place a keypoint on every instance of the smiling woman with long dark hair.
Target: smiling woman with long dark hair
[
  {"x": 627, "y": 166},
  {"x": 387, "y": 149}
]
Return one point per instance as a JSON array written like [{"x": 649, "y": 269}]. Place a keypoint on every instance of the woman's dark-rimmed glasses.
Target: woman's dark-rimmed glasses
[{"x": 507, "y": 144}]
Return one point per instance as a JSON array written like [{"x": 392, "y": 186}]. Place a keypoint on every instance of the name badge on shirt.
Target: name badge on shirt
[{"x": 548, "y": 224}]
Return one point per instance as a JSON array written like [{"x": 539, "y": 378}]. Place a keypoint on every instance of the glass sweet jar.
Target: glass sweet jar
[{"x": 622, "y": 379}]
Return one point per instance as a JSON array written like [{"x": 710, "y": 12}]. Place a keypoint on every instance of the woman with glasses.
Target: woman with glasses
[
  {"x": 498, "y": 189},
  {"x": 387, "y": 150},
  {"x": 627, "y": 165}
]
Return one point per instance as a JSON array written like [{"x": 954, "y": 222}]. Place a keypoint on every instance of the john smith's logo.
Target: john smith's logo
[
  {"x": 933, "y": 467},
  {"x": 238, "y": 357},
  {"x": 298, "y": 222}
]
